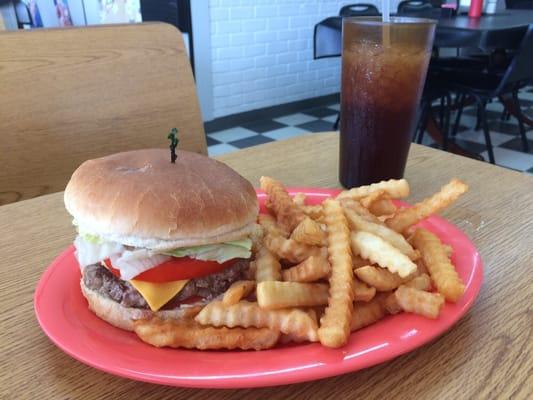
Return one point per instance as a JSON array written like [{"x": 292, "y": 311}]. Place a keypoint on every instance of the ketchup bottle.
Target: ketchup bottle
[{"x": 475, "y": 8}]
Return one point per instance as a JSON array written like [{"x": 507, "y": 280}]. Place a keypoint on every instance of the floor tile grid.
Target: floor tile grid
[
  {"x": 254, "y": 133},
  {"x": 504, "y": 133}
]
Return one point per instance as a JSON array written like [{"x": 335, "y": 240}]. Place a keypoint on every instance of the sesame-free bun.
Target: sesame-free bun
[{"x": 139, "y": 198}]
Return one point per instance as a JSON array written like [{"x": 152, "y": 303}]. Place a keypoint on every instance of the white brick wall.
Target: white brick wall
[{"x": 262, "y": 53}]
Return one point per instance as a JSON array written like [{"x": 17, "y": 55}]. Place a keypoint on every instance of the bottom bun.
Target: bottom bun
[{"x": 124, "y": 317}]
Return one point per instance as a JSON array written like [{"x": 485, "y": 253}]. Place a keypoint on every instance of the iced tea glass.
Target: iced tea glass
[{"x": 384, "y": 67}]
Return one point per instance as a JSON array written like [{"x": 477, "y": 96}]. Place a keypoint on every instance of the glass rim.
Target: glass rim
[{"x": 394, "y": 20}]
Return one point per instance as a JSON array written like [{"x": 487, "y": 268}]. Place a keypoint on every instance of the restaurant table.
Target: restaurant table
[
  {"x": 500, "y": 30},
  {"x": 494, "y": 31},
  {"x": 487, "y": 354}
]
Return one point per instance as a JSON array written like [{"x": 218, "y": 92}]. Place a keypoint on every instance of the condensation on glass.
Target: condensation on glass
[{"x": 384, "y": 67}]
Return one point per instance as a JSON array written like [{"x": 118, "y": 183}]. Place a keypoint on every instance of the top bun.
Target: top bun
[{"x": 139, "y": 198}]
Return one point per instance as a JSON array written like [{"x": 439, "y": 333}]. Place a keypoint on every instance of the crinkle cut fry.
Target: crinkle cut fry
[
  {"x": 277, "y": 295},
  {"x": 350, "y": 205},
  {"x": 309, "y": 232},
  {"x": 420, "y": 282},
  {"x": 360, "y": 223},
  {"x": 382, "y": 207},
  {"x": 290, "y": 249},
  {"x": 270, "y": 226},
  {"x": 406, "y": 217},
  {"x": 362, "y": 292},
  {"x": 313, "y": 211},
  {"x": 395, "y": 188},
  {"x": 335, "y": 323},
  {"x": 441, "y": 270},
  {"x": 419, "y": 302},
  {"x": 309, "y": 270},
  {"x": 191, "y": 335},
  {"x": 299, "y": 199},
  {"x": 246, "y": 314},
  {"x": 238, "y": 291},
  {"x": 267, "y": 266},
  {"x": 287, "y": 212},
  {"x": 380, "y": 278},
  {"x": 379, "y": 251},
  {"x": 365, "y": 314},
  {"x": 358, "y": 261},
  {"x": 372, "y": 197}
]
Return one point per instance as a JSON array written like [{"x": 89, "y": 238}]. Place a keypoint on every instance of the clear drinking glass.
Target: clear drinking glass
[{"x": 384, "y": 67}]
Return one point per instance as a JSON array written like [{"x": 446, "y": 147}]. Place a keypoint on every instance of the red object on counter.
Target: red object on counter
[{"x": 475, "y": 8}]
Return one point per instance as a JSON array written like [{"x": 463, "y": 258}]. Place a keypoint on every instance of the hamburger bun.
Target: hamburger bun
[{"x": 139, "y": 198}]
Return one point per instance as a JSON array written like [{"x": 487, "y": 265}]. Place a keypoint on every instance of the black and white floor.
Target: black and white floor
[{"x": 505, "y": 138}]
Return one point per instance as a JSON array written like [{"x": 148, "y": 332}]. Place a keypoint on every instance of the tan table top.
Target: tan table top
[{"x": 488, "y": 354}]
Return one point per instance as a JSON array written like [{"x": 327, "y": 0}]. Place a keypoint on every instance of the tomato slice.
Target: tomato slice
[{"x": 176, "y": 269}]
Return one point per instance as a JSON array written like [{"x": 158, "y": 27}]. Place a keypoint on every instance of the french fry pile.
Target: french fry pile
[{"x": 323, "y": 271}]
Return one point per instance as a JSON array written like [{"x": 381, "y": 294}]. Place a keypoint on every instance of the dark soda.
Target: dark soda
[{"x": 383, "y": 75}]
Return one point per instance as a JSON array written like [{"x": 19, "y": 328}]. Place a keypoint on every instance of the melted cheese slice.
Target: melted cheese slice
[{"x": 158, "y": 294}]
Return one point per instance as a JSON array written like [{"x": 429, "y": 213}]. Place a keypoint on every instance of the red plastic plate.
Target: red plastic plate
[{"x": 63, "y": 315}]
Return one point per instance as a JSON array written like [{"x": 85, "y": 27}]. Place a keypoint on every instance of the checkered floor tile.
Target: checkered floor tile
[{"x": 508, "y": 149}]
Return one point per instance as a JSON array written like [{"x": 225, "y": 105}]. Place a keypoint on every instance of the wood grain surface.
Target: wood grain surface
[
  {"x": 486, "y": 355},
  {"x": 67, "y": 95}
]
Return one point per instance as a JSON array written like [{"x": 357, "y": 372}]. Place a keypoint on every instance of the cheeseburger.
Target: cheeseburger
[{"x": 156, "y": 238}]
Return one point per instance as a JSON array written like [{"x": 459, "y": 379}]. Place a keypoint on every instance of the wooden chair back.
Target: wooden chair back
[{"x": 68, "y": 95}]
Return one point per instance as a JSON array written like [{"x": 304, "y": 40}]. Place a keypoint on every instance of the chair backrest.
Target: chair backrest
[
  {"x": 519, "y": 4},
  {"x": 68, "y": 95},
  {"x": 327, "y": 38},
  {"x": 520, "y": 69},
  {"x": 422, "y": 8},
  {"x": 23, "y": 15},
  {"x": 359, "y": 10}
]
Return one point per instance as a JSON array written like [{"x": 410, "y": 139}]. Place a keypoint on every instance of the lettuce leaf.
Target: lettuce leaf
[
  {"x": 89, "y": 253},
  {"x": 90, "y": 238},
  {"x": 220, "y": 252},
  {"x": 246, "y": 243}
]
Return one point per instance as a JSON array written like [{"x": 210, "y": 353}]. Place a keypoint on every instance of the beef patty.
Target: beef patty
[{"x": 98, "y": 278}]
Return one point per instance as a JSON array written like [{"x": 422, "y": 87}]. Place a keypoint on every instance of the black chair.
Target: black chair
[
  {"x": 416, "y": 8},
  {"x": 327, "y": 38},
  {"x": 23, "y": 15},
  {"x": 327, "y": 34},
  {"x": 359, "y": 10},
  {"x": 482, "y": 87},
  {"x": 433, "y": 91},
  {"x": 519, "y": 4}
]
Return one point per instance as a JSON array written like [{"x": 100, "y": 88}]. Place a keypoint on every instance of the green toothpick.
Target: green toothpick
[{"x": 173, "y": 137}]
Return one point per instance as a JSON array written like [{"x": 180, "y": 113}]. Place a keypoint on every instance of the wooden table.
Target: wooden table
[{"x": 488, "y": 354}]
